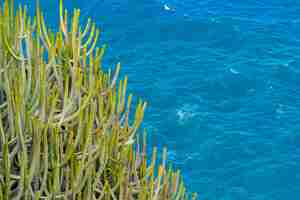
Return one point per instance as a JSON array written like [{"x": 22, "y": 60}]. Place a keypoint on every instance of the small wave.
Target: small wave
[
  {"x": 186, "y": 112},
  {"x": 166, "y": 7},
  {"x": 171, "y": 155},
  {"x": 234, "y": 71}
]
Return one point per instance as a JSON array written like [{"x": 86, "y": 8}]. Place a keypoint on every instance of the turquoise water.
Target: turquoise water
[{"x": 222, "y": 79}]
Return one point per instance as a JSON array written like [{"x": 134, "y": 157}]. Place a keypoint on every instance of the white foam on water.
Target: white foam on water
[
  {"x": 186, "y": 112},
  {"x": 166, "y": 7},
  {"x": 234, "y": 71}
]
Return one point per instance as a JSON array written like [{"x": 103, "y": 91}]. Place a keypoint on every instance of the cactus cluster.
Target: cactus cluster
[{"x": 67, "y": 130}]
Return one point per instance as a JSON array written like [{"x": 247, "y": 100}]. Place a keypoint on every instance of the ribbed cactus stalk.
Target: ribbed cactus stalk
[{"x": 65, "y": 131}]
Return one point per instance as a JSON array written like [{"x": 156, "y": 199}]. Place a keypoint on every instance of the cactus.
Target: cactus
[{"x": 66, "y": 126}]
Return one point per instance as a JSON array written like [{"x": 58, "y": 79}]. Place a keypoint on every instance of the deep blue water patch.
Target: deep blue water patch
[{"x": 222, "y": 82}]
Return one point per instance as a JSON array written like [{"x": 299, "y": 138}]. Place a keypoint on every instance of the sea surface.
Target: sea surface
[{"x": 222, "y": 79}]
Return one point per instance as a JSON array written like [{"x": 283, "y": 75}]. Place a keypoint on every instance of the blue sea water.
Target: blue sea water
[{"x": 222, "y": 79}]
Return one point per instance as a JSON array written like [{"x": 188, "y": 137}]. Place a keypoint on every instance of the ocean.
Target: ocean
[{"x": 222, "y": 80}]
